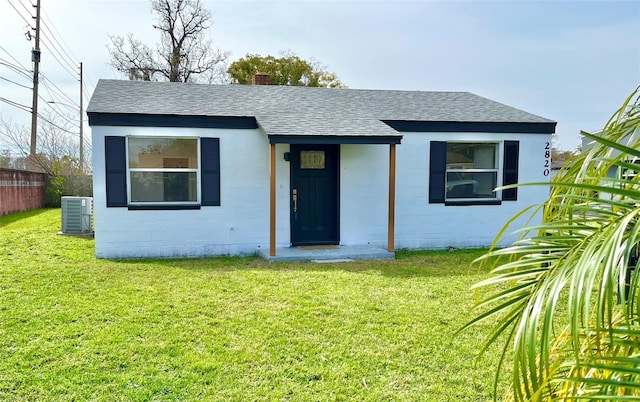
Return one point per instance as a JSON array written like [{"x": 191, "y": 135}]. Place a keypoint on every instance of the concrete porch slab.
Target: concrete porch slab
[{"x": 338, "y": 253}]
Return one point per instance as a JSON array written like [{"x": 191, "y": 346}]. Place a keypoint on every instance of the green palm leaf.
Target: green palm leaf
[{"x": 565, "y": 294}]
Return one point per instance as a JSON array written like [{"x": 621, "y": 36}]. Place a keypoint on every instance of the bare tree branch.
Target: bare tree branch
[
  {"x": 183, "y": 53},
  {"x": 57, "y": 151}
]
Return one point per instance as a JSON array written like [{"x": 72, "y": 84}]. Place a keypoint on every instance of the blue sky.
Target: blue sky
[{"x": 571, "y": 61}]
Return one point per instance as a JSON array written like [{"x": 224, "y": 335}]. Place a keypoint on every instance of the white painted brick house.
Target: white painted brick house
[{"x": 195, "y": 170}]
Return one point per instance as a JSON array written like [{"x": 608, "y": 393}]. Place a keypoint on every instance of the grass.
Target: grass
[{"x": 232, "y": 329}]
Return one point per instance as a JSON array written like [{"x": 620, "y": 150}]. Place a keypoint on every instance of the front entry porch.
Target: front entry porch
[
  {"x": 338, "y": 253},
  {"x": 322, "y": 153}
]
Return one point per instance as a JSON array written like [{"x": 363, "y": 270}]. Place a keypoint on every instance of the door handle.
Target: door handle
[{"x": 295, "y": 200}]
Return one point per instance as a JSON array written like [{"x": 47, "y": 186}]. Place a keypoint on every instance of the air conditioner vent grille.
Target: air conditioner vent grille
[{"x": 77, "y": 214}]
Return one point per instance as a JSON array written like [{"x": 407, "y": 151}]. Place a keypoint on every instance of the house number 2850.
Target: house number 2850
[{"x": 547, "y": 158}]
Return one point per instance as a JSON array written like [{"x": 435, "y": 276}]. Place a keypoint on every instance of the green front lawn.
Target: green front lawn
[{"x": 231, "y": 329}]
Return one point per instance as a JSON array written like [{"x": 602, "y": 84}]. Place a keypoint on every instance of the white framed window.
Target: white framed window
[
  {"x": 472, "y": 171},
  {"x": 163, "y": 170}
]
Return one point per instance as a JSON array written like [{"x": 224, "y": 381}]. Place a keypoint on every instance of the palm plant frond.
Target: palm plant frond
[{"x": 566, "y": 294}]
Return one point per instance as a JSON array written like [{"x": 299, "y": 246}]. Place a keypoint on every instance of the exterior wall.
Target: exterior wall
[
  {"x": 21, "y": 191},
  {"x": 364, "y": 194},
  {"x": 420, "y": 225},
  {"x": 239, "y": 225},
  {"x": 423, "y": 225}
]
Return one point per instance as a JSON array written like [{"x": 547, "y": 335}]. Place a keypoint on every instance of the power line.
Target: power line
[
  {"x": 25, "y": 7},
  {"x": 49, "y": 24},
  {"x": 47, "y": 81},
  {"x": 15, "y": 68},
  {"x": 60, "y": 113},
  {"x": 14, "y": 59},
  {"x": 56, "y": 108},
  {"x": 15, "y": 104},
  {"x": 84, "y": 85},
  {"x": 40, "y": 116},
  {"x": 60, "y": 52},
  {"x": 52, "y": 50},
  {"x": 88, "y": 79},
  {"x": 66, "y": 61},
  {"x": 13, "y": 82},
  {"x": 20, "y": 14}
]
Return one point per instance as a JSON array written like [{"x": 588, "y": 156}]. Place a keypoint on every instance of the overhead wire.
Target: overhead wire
[
  {"x": 16, "y": 83},
  {"x": 58, "y": 52},
  {"x": 40, "y": 116},
  {"x": 48, "y": 44},
  {"x": 65, "y": 55},
  {"x": 14, "y": 58},
  {"x": 56, "y": 99},
  {"x": 62, "y": 54},
  {"x": 48, "y": 24},
  {"x": 46, "y": 81},
  {"x": 56, "y": 108},
  {"x": 15, "y": 104},
  {"x": 53, "y": 52},
  {"x": 63, "y": 50},
  {"x": 14, "y": 68},
  {"x": 25, "y": 7},
  {"x": 17, "y": 68},
  {"x": 49, "y": 41},
  {"x": 19, "y": 13}
]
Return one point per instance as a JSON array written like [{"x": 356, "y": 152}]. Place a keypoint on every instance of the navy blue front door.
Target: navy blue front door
[{"x": 314, "y": 194}]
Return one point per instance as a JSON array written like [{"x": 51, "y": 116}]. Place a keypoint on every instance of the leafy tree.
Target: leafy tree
[
  {"x": 559, "y": 154},
  {"x": 566, "y": 296},
  {"x": 286, "y": 70},
  {"x": 183, "y": 53}
]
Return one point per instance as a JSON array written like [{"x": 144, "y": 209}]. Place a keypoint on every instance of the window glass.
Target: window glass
[
  {"x": 471, "y": 156},
  {"x": 163, "y": 187},
  {"x": 163, "y": 169},
  {"x": 628, "y": 174},
  {"x": 472, "y": 170},
  {"x": 312, "y": 159},
  {"x": 176, "y": 153},
  {"x": 471, "y": 184}
]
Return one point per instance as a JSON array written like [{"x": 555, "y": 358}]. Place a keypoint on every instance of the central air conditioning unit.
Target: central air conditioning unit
[{"x": 77, "y": 215}]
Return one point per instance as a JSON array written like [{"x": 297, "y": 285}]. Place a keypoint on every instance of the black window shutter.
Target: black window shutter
[
  {"x": 437, "y": 171},
  {"x": 116, "y": 171},
  {"x": 210, "y": 173},
  {"x": 510, "y": 169}
]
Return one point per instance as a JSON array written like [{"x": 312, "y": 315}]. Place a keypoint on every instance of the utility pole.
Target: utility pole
[
  {"x": 81, "y": 136},
  {"x": 35, "y": 57}
]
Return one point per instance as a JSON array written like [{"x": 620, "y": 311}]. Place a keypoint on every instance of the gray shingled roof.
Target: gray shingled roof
[{"x": 282, "y": 110}]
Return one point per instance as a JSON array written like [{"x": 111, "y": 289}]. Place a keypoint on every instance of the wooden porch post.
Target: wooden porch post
[
  {"x": 392, "y": 198},
  {"x": 272, "y": 200}
]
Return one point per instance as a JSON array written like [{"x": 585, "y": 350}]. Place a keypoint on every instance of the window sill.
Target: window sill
[
  {"x": 157, "y": 207},
  {"x": 464, "y": 203}
]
